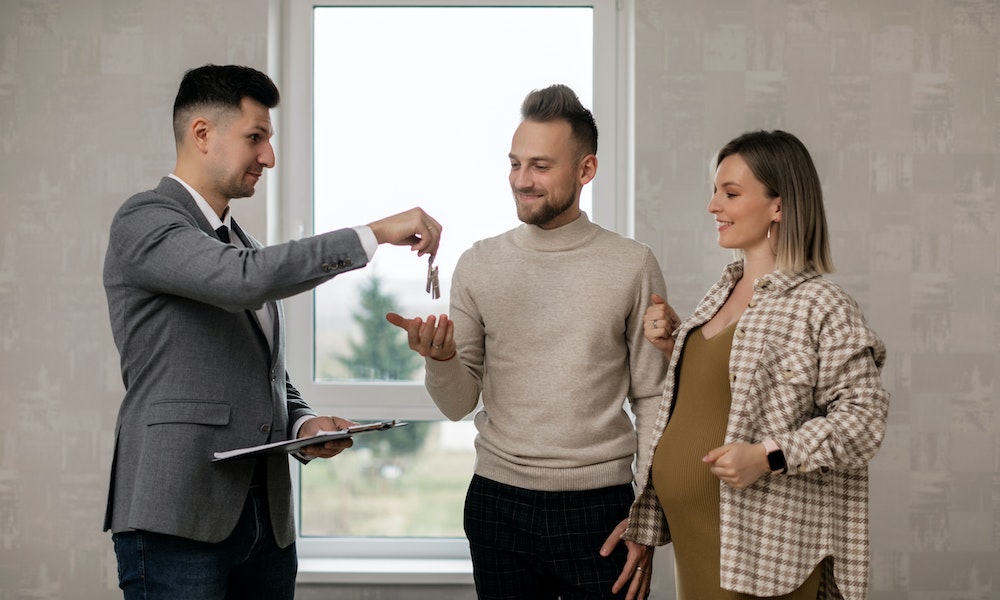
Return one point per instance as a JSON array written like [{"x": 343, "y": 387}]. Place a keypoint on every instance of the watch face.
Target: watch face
[{"x": 776, "y": 460}]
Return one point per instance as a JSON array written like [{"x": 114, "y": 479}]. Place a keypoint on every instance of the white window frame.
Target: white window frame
[{"x": 289, "y": 216}]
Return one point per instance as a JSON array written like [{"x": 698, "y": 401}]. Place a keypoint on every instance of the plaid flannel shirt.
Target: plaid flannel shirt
[{"x": 805, "y": 371}]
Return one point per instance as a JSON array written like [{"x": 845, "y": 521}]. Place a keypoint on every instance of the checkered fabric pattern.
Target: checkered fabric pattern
[
  {"x": 805, "y": 371},
  {"x": 544, "y": 545}
]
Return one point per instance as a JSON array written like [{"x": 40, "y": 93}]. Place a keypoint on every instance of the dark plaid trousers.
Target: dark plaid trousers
[{"x": 530, "y": 545}]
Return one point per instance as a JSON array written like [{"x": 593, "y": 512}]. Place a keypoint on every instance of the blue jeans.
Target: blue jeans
[{"x": 248, "y": 565}]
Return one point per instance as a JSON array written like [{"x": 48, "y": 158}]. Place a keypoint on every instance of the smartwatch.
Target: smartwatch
[{"x": 775, "y": 457}]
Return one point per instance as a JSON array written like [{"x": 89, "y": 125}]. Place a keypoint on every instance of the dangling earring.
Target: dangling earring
[{"x": 774, "y": 250}]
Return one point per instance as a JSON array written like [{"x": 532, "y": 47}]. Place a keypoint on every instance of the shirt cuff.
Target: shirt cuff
[
  {"x": 368, "y": 241},
  {"x": 295, "y": 435}
]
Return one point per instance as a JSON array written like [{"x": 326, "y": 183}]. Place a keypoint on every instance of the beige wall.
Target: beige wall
[
  {"x": 86, "y": 90},
  {"x": 899, "y": 100}
]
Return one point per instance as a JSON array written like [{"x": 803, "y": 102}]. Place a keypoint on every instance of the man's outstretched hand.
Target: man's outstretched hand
[{"x": 433, "y": 338}]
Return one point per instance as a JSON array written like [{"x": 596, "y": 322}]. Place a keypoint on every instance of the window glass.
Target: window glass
[
  {"x": 416, "y": 106},
  {"x": 403, "y": 482},
  {"x": 385, "y": 108}
]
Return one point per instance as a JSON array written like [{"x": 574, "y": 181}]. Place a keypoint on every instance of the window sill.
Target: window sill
[{"x": 385, "y": 571}]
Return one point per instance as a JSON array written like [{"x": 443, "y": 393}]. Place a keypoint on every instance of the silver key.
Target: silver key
[{"x": 433, "y": 287}]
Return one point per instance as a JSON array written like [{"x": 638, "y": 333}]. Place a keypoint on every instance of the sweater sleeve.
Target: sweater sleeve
[
  {"x": 647, "y": 523},
  {"x": 455, "y": 385},
  {"x": 647, "y": 366}
]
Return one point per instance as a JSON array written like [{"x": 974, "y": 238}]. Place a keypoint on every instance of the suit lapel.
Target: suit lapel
[{"x": 172, "y": 188}]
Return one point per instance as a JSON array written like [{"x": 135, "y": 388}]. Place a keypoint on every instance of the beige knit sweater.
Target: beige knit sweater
[{"x": 549, "y": 331}]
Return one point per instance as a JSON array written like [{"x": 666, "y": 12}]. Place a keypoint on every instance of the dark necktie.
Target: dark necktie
[{"x": 259, "y": 479}]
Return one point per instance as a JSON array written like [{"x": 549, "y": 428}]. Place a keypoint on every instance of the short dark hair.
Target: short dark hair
[
  {"x": 559, "y": 102},
  {"x": 781, "y": 162},
  {"x": 222, "y": 86}
]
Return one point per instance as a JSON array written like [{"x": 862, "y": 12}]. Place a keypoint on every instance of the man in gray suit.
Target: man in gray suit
[{"x": 196, "y": 315}]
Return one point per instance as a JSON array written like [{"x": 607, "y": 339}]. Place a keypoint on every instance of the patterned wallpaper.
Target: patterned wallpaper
[
  {"x": 86, "y": 89},
  {"x": 899, "y": 101}
]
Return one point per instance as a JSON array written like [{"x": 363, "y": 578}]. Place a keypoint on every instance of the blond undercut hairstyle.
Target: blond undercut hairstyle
[
  {"x": 783, "y": 164},
  {"x": 559, "y": 102}
]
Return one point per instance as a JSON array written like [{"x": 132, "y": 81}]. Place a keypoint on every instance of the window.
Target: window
[{"x": 385, "y": 107}]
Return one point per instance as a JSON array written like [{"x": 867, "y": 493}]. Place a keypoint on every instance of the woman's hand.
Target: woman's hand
[
  {"x": 738, "y": 465},
  {"x": 660, "y": 323}
]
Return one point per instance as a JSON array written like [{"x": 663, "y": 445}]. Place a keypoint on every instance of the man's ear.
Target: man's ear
[
  {"x": 588, "y": 169},
  {"x": 199, "y": 131}
]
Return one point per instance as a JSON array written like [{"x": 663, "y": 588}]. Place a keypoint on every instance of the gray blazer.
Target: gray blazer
[{"x": 198, "y": 373}]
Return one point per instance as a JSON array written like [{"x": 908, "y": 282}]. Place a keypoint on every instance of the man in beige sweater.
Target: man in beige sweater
[{"x": 546, "y": 325}]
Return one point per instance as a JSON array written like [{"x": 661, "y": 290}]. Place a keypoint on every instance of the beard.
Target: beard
[
  {"x": 244, "y": 191},
  {"x": 241, "y": 189},
  {"x": 230, "y": 184},
  {"x": 545, "y": 213}
]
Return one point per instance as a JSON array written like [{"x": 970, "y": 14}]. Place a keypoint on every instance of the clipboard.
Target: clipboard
[{"x": 289, "y": 446}]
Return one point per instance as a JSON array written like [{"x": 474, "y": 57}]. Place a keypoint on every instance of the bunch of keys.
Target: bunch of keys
[{"x": 433, "y": 287}]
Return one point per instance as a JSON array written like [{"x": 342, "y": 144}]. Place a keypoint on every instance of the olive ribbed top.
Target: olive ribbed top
[{"x": 687, "y": 490}]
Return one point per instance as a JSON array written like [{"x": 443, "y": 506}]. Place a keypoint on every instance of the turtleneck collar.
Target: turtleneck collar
[{"x": 569, "y": 236}]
